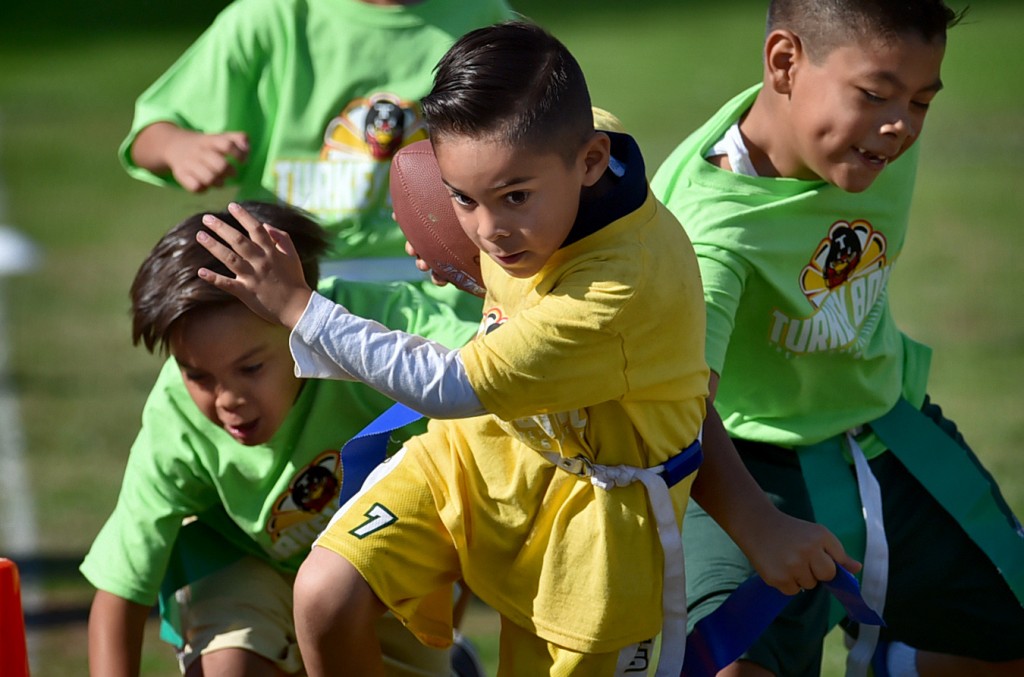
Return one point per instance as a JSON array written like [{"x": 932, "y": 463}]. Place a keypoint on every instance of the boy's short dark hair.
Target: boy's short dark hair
[
  {"x": 515, "y": 83},
  {"x": 827, "y": 24},
  {"x": 167, "y": 286}
]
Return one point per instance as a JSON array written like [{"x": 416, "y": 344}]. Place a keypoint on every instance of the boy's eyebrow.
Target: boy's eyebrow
[
  {"x": 894, "y": 79},
  {"x": 498, "y": 186},
  {"x": 248, "y": 354},
  {"x": 512, "y": 182},
  {"x": 241, "y": 358}
]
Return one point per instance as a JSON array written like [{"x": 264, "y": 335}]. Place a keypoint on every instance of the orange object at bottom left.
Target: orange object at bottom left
[{"x": 13, "y": 650}]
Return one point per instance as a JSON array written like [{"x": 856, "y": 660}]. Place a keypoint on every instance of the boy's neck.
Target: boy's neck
[{"x": 764, "y": 136}]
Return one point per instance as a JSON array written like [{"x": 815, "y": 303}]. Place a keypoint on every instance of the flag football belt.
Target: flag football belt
[
  {"x": 657, "y": 481},
  {"x": 721, "y": 637},
  {"x": 672, "y": 471}
]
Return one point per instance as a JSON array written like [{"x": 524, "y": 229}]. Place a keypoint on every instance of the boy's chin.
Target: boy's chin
[
  {"x": 853, "y": 188},
  {"x": 855, "y": 182}
]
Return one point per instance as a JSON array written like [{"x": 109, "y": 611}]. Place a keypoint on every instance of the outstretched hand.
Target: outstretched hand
[
  {"x": 268, "y": 272},
  {"x": 795, "y": 555}
]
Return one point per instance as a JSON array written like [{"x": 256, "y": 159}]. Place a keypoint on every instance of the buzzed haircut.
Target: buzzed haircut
[
  {"x": 167, "y": 286},
  {"x": 513, "y": 83},
  {"x": 825, "y": 25}
]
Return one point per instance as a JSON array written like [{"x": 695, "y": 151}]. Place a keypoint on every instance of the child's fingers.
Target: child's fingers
[
  {"x": 225, "y": 254},
  {"x": 238, "y": 288},
  {"x": 807, "y": 577},
  {"x": 216, "y": 279},
  {"x": 282, "y": 240},
  {"x": 823, "y": 568},
  {"x": 237, "y": 146},
  {"x": 792, "y": 587},
  {"x": 257, "y": 233},
  {"x": 838, "y": 553}
]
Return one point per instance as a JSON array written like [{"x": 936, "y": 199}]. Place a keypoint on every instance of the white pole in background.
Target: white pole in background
[{"x": 18, "y": 531}]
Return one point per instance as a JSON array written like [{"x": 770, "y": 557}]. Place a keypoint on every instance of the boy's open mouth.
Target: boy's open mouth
[
  {"x": 873, "y": 158},
  {"x": 242, "y": 430}
]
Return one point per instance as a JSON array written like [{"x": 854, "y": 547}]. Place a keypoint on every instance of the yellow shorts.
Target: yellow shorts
[
  {"x": 248, "y": 605},
  {"x": 392, "y": 534},
  {"x": 522, "y": 653}
]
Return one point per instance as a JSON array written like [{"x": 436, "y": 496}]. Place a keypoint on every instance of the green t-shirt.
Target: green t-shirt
[
  {"x": 326, "y": 90},
  {"x": 271, "y": 500},
  {"x": 795, "y": 279}
]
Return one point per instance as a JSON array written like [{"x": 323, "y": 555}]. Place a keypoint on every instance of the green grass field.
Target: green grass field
[{"x": 67, "y": 88}]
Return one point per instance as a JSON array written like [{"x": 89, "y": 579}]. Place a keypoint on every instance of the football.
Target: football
[{"x": 423, "y": 209}]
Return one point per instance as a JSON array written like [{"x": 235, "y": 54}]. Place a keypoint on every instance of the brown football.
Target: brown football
[{"x": 423, "y": 209}]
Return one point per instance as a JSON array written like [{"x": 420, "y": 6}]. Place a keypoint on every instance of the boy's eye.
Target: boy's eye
[
  {"x": 872, "y": 97},
  {"x": 194, "y": 376},
  {"x": 461, "y": 199},
  {"x": 517, "y": 197},
  {"x": 252, "y": 368}
]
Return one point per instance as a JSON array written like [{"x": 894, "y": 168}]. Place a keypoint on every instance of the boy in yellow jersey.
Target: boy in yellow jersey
[{"x": 542, "y": 479}]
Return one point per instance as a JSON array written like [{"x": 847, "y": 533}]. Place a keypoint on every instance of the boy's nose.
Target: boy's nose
[
  {"x": 229, "y": 399},
  {"x": 489, "y": 229},
  {"x": 902, "y": 126}
]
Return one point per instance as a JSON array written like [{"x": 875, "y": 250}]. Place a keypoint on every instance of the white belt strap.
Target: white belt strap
[
  {"x": 673, "y": 595},
  {"x": 875, "y": 579}
]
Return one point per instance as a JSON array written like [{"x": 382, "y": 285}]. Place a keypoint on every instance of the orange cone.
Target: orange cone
[{"x": 13, "y": 652}]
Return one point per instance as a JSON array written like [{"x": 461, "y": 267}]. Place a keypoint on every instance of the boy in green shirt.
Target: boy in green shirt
[
  {"x": 304, "y": 103},
  {"x": 247, "y": 454},
  {"x": 797, "y": 218}
]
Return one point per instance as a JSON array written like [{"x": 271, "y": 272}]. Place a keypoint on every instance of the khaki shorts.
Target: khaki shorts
[{"x": 248, "y": 605}]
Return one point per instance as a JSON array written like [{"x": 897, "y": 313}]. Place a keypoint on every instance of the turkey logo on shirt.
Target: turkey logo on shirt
[
  {"x": 376, "y": 126},
  {"x": 844, "y": 282},
  {"x": 314, "y": 488},
  {"x": 850, "y": 250}
]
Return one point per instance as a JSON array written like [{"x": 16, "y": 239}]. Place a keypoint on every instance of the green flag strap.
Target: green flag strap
[
  {"x": 832, "y": 488},
  {"x": 947, "y": 470},
  {"x": 955, "y": 477}
]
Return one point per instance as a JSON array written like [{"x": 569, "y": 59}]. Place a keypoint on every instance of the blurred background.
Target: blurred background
[{"x": 72, "y": 386}]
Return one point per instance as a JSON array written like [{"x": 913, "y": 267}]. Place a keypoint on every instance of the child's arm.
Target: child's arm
[
  {"x": 327, "y": 340},
  {"x": 789, "y": 553},
  {"x": 116, "y": 627},
  {"x": 197, "y": 161}
]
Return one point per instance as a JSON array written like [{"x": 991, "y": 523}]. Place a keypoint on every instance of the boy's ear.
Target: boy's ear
[
  {"x": 782, "y": 49},
  {"x": 595, "y": 155}
]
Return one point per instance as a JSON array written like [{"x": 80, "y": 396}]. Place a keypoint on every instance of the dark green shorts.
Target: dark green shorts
[{"x": 943, "y": 592}]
